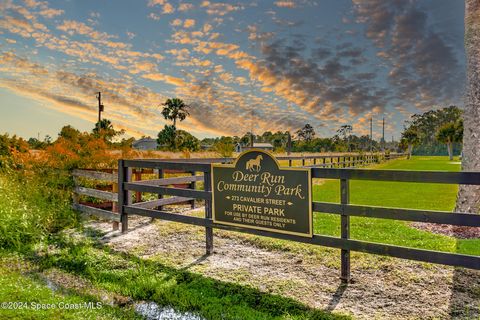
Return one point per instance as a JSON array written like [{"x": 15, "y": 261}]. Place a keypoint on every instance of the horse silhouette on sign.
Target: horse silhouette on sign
[{"x": 254, "y": 164}]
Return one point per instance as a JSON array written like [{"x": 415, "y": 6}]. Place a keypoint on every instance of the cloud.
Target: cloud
[
  {"x": 75, "y": 27},
  {"x": 152, "y": 3},
  {"x": 318, "y": 86},
  {"x": 165, "y": 78},
  {"x": 176, "y": 22},
  {"x": 130, "y": 35},
  {"x": 219, "y": 8},
  {"x": 154, "y": 16},
  {"x": 424, "y": 70},
  {"x": 185, "y": 6},
  {"x": 285, "y": 4},
  {"x": 188, "y": 23},
  {"x": 50, "y": 13},
  {"x": 168, "y": 8}
]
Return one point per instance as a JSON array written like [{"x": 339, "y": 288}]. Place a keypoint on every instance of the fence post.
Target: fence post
[
  {"x": 192, "y": 186},
  {"x": 75, "y": 196},
  {"x": 289, "y": 162},
  {"x": 303, "y": 162},
  {"x": 345, "y": 230},
  {"x": 160, "y": 196},
  {"x": 115, "y": 204},
  {"x": 207, "y": 178},
  {"x": 124, "y": 197},
  {"x": 138, "y": 177}
]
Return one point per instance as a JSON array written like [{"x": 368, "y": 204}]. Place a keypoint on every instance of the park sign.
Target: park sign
[{"x": 256, "y": 193}]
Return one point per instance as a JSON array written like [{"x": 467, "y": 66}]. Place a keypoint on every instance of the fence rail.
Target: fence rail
[
  {"x": 344, "y": 208},
  {"x": 110, "y": 176},
  {"x": 88, "y": 208}
]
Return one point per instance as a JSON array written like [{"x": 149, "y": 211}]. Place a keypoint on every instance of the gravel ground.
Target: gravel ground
[{"x": 382, "y": 289}]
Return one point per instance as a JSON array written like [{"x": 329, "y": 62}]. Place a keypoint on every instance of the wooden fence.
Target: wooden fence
[
  {"x": 110, "y": 176},
  {"x": 346, "y": 160},
  {"x": 344, "y": 208},
  {"x": 108, "y": 209},
  {"x": 90, "y": 208}
]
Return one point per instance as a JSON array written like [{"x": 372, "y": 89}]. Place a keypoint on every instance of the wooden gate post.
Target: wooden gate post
[
  {"x": 192, "y": 186},
  {"x": 160, "y": 196},
  {"x": 207, "y": 182},
  {"x": 138, "y": 177},
  {"x": 124, "y": 196},
  {"x": 345, "y": 230},
  {"x": 115, "y": 205}
]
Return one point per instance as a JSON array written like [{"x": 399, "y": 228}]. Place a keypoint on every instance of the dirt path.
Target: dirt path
[{"x": 383, "y": 288}]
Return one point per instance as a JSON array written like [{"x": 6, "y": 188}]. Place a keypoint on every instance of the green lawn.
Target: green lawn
[
  {"x": 32, "y": 298},
  {"x": 401, "y": 195}
]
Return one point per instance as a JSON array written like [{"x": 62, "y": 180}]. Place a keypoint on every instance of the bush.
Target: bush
[{"x": 32, "y": 207}]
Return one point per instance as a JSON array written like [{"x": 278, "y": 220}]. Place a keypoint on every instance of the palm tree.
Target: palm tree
[
  {"x": 174, "y": 109},
  {"x": 103, "y": 124},
  {"x": 468, "y": 199},
  {"x": 448, "y": 134},
  {"x": 410, "y": 137},
  {"x": 104, "y": 129}
]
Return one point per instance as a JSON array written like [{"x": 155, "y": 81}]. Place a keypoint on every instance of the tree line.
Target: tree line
[{"x": 434, "y": 132}]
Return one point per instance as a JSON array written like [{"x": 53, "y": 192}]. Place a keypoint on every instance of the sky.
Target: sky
[{"x": 240, "y": 65}]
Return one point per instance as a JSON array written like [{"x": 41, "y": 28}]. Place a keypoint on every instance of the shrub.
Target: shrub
[{"x": 32, "y": 207}]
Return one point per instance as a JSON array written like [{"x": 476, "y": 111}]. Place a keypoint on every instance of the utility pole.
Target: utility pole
[
  {"x": 383, "y": 134},
  {"x": 100, "y": 106},
  {"x": 371, "y": 134}
]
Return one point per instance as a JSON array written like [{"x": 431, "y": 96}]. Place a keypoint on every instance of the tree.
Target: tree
[
  {"x": 410, "y": 138},
  {"x": 224, "y": 147},
  {"x": 345, "y": 131},
  {"x": 306, "y": 133},
  {"x": 174, "y": 109},
  {"x": 70, "y": 133},
  {"x": 104, "y": 129},
  {"x": 173, "y": 140},
  {"x": 426, "y": 124},
  {"x": 166, "y": 138},
  {"x": 185, "y": 141},
  {"x": 468, "y": 199},
  {"x": 450, "y": 133},
  {"x": 11, "y": 144}
]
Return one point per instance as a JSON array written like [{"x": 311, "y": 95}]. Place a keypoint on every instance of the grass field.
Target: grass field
[{"x": 400, "y": 195}]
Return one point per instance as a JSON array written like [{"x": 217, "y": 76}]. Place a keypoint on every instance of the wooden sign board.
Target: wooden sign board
[{"x": 256, "y": 193}]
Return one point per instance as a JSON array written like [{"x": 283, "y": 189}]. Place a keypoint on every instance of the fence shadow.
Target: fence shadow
[
  {"x": 337, "y": 296},
  {"x": 189, "y": 285},
  {"x": 465, "y": 296}
]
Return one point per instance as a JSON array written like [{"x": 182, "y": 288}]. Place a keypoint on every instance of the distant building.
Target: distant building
[
  {"x": 145, "y": 144},
  {"x": 204, "y": 146},
  {"x": 256, "y": 145}
]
